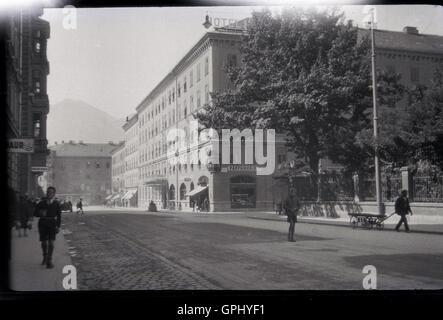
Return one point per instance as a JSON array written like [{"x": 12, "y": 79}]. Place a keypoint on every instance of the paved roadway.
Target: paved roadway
[{"x": 146, "y": 251}]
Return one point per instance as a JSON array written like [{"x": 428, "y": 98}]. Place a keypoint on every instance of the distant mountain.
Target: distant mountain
[{"x": 77, "y": 120}]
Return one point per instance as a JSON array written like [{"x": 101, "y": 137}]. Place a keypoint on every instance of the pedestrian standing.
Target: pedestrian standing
[
  {"x": 402, "y": 208},
  {"x": 80, "y": 206},
  {"x": 24, "y": 216},
  {"x": 49, "y": 212},
  {"x": 291, "y": 207},
  {"x": 12, "y": 207}
]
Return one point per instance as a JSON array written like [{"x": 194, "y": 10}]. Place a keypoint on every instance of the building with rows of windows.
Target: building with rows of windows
[
  {"x": 27, "y": 103},
  {"x": 173, "y": 103},
  {"x": 131, "y": 164},
  {"x": 81, "y": 170},
  {"x": 118, "y": 170}
]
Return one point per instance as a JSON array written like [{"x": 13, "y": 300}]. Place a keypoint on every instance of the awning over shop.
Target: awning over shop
[
  {"x": 115, "y": 196},
  {"x": 129, "y": 194},
  {"x": 196, "y": 191}
]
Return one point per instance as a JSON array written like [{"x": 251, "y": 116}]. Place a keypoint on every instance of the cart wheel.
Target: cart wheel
[
  {"x": 380, "y": 225},
  {"x": 354, "y": 222},
  {"x": 367, "y": 223}
]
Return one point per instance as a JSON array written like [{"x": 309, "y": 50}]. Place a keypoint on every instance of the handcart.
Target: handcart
[{"x": 368, "y": 220}]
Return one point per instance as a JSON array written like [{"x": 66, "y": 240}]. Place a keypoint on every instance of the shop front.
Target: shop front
[{"x": 243, "y": 191}]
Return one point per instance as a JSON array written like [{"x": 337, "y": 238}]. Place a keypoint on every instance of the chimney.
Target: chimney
[
  {"x": 127, "y": 118},
  {"x": 410, "y": 30}
]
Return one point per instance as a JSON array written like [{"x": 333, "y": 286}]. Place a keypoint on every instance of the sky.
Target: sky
[{"x": 116, "y": 56}]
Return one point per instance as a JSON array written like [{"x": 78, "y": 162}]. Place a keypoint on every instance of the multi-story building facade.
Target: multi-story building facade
[
  {"x": 12, "y": 25},
  {"x": 413, "y": 55},
  {"x": 173, "y": 103},
  {"x": 118, "y": 169},
  {"x": 81, "y": 170},
  {"x": 27, "y": 99},
  {"x": 131, "y": 150}
]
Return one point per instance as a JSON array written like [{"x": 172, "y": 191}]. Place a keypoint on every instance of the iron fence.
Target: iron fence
[
  {"x": 427, "y": 187},
  {"x": 390, "y": 188}
]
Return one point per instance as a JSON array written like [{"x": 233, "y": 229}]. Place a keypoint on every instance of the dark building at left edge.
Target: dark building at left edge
[{"x": 27, "y": 103}]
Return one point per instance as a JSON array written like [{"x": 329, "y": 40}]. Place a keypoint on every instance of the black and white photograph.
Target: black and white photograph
[{"x": 267, "y": 147}]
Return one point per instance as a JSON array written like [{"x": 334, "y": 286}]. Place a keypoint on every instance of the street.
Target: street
[{"x": 118, "y": 250}]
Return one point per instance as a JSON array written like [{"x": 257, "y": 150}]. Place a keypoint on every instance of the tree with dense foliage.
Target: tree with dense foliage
[
  {"x": 305, "y": 73},
  {"x": 410, "y": 123}
]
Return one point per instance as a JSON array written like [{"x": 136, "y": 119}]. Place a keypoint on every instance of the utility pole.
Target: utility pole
[{"x": 375, "y": 113}]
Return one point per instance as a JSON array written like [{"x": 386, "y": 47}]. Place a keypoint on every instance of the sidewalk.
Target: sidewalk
[
  {"x": 26, "y": 272},
  {"x": 417, "y": 223}
]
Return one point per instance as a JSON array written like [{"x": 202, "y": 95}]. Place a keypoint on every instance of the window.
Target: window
[
  {"x": 206, "y": 66},
  {"x": 198, "y": 72},
  {"x": 182, "y": 191},
  {"x": 36, "y": 121},
  {"x": 37, "y": 47},
  {"x": 206, "y": 93},
  {"x": 198, "y": 99},
  {"x": 184, "y": 85},
  {"x": 36, "y": 86},
  {"x": 191, "y": 102},
  {"x": 178, "y": 90},
  {"x": 414, "y": 74},
  {"x": 191, "y": 79},
  {"x": 185, "y": 110},
  {"x": 390, "y": 69},
  {"x": 232, "y": 60}
]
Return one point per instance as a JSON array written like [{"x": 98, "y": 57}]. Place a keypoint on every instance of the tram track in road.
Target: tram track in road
[{"x": 175, "y": 270}]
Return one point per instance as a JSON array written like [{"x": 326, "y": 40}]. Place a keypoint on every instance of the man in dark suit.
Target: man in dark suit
[
  {"x": 402, "y": 208},
  {"x": 49, "y": 212},
  {"x": 291, "y": 206}
]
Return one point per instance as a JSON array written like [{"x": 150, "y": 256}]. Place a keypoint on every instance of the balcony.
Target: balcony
[
  {"x": 40, "y": 101},
  {"x": 40, "y": 146}
]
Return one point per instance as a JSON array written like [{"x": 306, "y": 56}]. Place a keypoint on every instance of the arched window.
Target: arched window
[
  {"x": 171, "y": 192},
  {"x": 182, "y": 191},
  {"x": 203, "y": 181},
  {"x": 192, "y": 186}
]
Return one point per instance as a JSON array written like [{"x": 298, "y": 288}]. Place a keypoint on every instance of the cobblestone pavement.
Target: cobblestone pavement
[
  {"x": 141, "y": 251},
  {"x": 106, "y": 258}
]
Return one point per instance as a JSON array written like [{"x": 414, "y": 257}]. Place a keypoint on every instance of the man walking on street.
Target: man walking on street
[
  {"x": 291, "y": 207},
  {"x": 402, "y": 208},
  {"x": 49, "y": 212}
]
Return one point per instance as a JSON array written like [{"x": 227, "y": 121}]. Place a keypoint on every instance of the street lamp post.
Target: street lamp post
[{"x": 380, "y": 207}]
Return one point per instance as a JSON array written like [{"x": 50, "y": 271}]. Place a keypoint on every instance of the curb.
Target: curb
[{"x": 341, "y": 224}]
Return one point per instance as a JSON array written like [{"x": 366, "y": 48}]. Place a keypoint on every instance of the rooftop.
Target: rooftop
[
  {"x": 73, "y": 149},
  {"x": 403, "y": 41}
]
